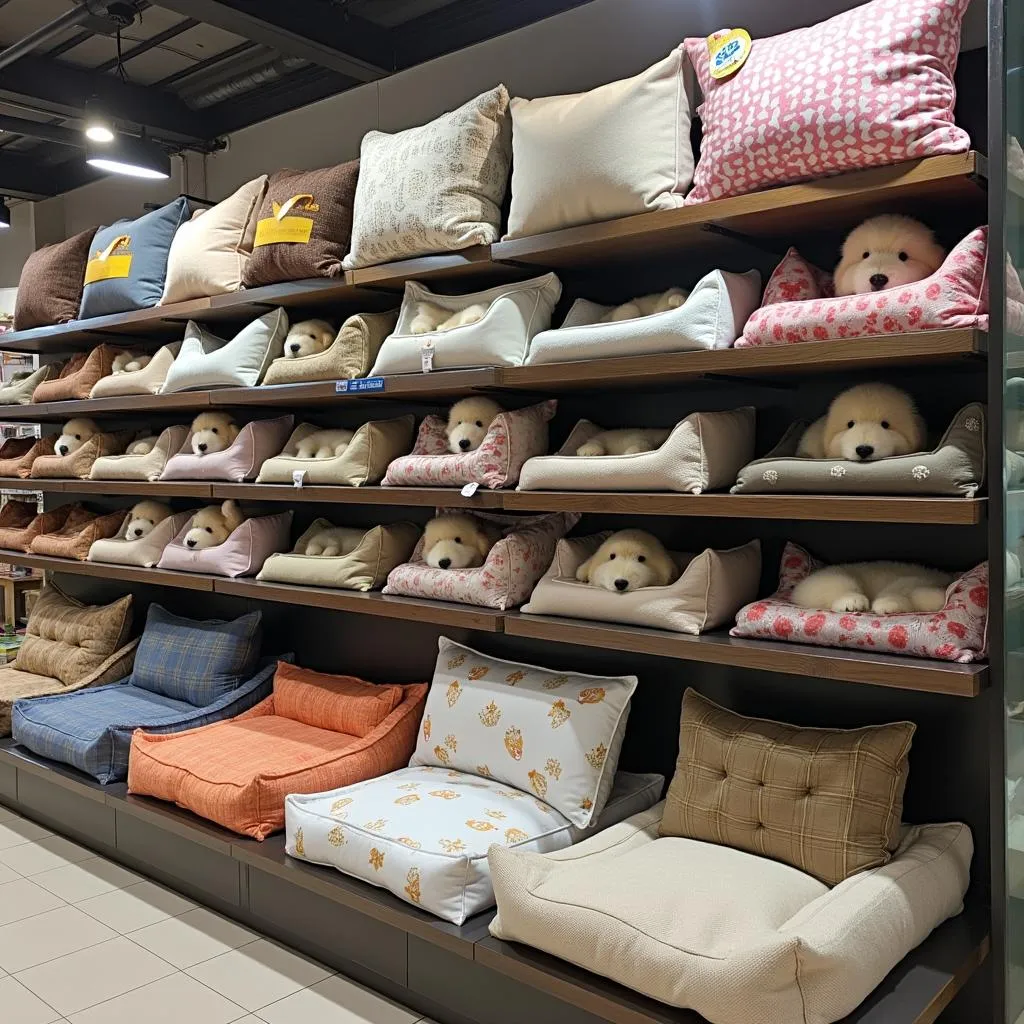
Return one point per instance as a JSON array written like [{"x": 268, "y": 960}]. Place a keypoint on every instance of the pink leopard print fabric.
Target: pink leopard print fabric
[
  {"x": 513, "y": 438},
  {"x": 871, "y": 86},
  {"x": 957, "y": 633},
  {"x": 513, "y": 568},
  {"x": 795, "y": 280},
  {"x": 955, "y": 296}
]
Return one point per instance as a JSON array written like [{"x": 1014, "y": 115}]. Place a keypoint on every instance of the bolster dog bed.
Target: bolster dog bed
[
  {"x": 145, "y": 551},
  {"x": 712, "y": 317},
  {"x": 713, "y": 586},
  {"x": 18, "y": 536},
  {"x": 703, "y": 452},
  {"x": 78, "y": 464},
  {"x": 16, "y": 515},
  {"x": 956, "y": 466},
  {"x": 79, "y": 376},
  {"x": 241, "y": 461},
  {"x": 20, "y": 390},
  {"x": 509, "y": 573},
  {"x": 18, "y": 454},
  {"x": 366, "y": 567},
  {"x": 959, "y": 632},
  {"x": 76, "y": 536},
  {"x": 141, "y": 467},
  {"x": 365, "y": 461},
  {"x": 147, "y": 381},
  {"x": 515, "y": 313},
  {"x": 248, "y": 546},
  {"x": 512, "y": 438}
]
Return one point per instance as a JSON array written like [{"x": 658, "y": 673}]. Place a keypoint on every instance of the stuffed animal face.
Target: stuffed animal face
[
  {"x": 887, "y": 252},
  {"x": 143, "y": 518},
  {"x": 213, "y": 525},
  {"x": 456, "y": 542},
  {"x": 212, "y": 432},
  {"x": 307, "y": 338},
  {"x": 75, "y": 433},
  {"x": 629, "y": 560},
  {"x": 872, "y": 421},
  {"x": 468, "y": 423}
]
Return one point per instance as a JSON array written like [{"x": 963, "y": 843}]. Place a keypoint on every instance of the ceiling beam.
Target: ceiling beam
[
  {"x": 148, "y": 44},
  {"x": 24, "y": 177}
]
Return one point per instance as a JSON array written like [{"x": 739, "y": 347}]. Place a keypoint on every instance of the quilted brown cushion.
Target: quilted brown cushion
[
  {"x": 78, "y": 465},
  {"x": 78, "y": 377},
  {"x": 19, "y": 538},
  {"x": 18, "y": 453},
  {"x": 76, "y": 536},
  {"x": 50, "y": 289}
]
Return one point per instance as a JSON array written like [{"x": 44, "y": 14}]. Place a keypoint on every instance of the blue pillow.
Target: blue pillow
[
  {"x": 195, "y": 660},
  {"x": 128, "y": 261}
]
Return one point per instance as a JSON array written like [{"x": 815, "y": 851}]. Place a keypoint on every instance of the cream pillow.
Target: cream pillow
[
  {"x": 436, "y": 188},
  {"x": 209, "y": 252},
  {"x": 620, "y": 149}
]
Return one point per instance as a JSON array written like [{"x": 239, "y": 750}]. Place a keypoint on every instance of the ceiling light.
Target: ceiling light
[
  {"x": 97, "y": 125},
  {"x": 5, "y": 214},
  {"x": 137, "y": 158}
]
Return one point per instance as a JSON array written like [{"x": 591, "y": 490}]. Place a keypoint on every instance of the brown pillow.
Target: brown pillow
[
  {"x": 321, "y": 226},
  {"x": 827, "y": 801},
  {"x": 78, "y": 377},
  {"x": 76, "y": 536},
  {"x": 50, "y": 289}
]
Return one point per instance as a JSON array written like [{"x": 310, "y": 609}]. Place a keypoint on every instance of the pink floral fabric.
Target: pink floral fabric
[
  {"x": 795, "y": 280},
  {"x": 871, "y": 86},
  {"x": 955, "y": 296},
  {"x": 513, "y": 438},
  {"x": 957, "y": 633},
  {"x": 513, "y": 568}
]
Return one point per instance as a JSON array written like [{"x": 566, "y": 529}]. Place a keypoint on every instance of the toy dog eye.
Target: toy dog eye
[
  {"x": 885, "y": 424},
  {"x": 849, "y": 426},
  {"x": 458, "y": 540},
  {"x": 479, "y": 423},
  {"x": 904, "y": 257},
  {"x": 641, "y": 558},
  {"x": 611, "y": 557},
  {"x": 209, "y": 529},
  {"x": 213, "y": 430},
  {"x": 78, "y": 437},
  {"x": 867, "y": 255}
]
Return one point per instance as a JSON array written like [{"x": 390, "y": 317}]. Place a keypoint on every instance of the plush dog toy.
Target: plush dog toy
[
  {"x": 129, "y": 362},
  {"x": 324, "y": 444},
  {"x": 887, "y": 252},
  {"x": 431, "y": 317},
  {"x": 213, "y": 525},
  {"x": 457, "y": 542},
  {"x": 887, "y": 588},
  {"x": 624, "y": 442},
  {"x": 213, "y": 432},
  {"x": 332, "y": 541},
  {"x": 646, "y": 305},
  {"x": 865, "y": 423},
  {"x": 307, "y": 338},
  {"x": 143, "y": 446},
  {"x": 74, "y": 434},
  {"x": 143, "y": 517},
  {"x": 629, "y": 560},
  {"x": 468, "y": 423}
]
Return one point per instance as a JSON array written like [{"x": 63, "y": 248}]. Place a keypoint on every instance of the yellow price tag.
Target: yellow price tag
[
  {"x": 105, "y": 265},
  {"x": 728, "y": 50},
  {"x": 282, "y": 228}
]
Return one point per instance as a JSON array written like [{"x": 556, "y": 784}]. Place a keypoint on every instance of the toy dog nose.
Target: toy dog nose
[
  {"x": 63, "y": 449},
  {"x": 202, "y": 447},
  {"x": 444, "y": 563},
  {"x": 621, "y": 584},
  {"x": 138, "y": 531},
  {"x": 464, "y": 444},
  {"x": 865, "y": 451},
  {"x": 295, "y": 346},
  {"x": 878, "y": 281},
  {"x": 190, "y": 543}
]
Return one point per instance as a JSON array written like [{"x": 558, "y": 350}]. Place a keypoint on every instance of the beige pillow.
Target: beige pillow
[
  {"x": 827, "y": 801},
  {"x": 210, "y": 251},
  {"x": 147, "y": 381}
]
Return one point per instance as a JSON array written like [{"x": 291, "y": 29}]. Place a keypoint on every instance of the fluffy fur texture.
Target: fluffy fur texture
[
  {"x": 887, "y": 252},
  {"x": 213, "y": 525},
  {"x": 143, "y": 446},
  {"x": 885, "y": 587},
  {"x": 213, "y": 432},
  {"x": 457, "y": 542},
  {"x": 629, "y": 560},
  {"x": 330, "y": 542},
  {"x": 75, "y": 433},
  {"x": 143, "y": 517},
  {"x": 647, "y": 305},
  {"x": 865, "y": 423},
  {"x": 624, "y": 442},
  {"x": 430, "y": 317},
  {"x": 307, "y": 338},
  {"x": 468, "y": 423},
  {"x": 129, "y": 362},
  {"x": 324, "y": 444}
]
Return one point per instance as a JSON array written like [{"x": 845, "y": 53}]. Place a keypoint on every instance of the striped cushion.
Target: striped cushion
[{"x": 339, "y": 703}]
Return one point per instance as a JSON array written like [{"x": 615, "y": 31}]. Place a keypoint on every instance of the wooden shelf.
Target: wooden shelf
[
  {"x": 166, "y": 489},
  {"x": 433, "y": 497},
  {"x": 472, "y": 266},
  {"x": 105, "y": 570}
]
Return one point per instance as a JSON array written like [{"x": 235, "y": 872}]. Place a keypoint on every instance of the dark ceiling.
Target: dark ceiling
[{"x": 191, "y": 71}]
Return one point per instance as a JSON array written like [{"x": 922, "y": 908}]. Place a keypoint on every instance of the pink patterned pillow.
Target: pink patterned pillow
[
  {"x": 513, "y": 568},
  {"x": 957, "y": 633},
  {"x": 248, "y": 546},
  {"x": 795, "y": 280},
  {"x": 955, "y": 296},
  {"x": 256, "y": 442},
  {"x": 513, "y": 438},
  {"x": 871, "y": 86}
]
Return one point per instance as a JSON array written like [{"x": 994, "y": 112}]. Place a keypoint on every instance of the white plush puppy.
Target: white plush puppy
[
  {"x": 468, "y": 423},
  {"x": 74, "y": 434},
  {"x": 457, "y": 542},
  {"x": 213, "y": 432},
  {"x": 629, "y": 560},
  {"x": 213, "y": 525},
  {"x": 646, "y": 305},
  {"x": 129, "y": 362},
  {"x": 332, "y": 541},
  {"x": 887, "y": 252},
  {"x": 430, "y": 317},
  {"x": 865, "y": 423},
  {"x": 885, "y": 587},
  {"x": 624, "y": 442},
  {"x": 143, "y": 517},
  {"x": 307, "y": 338},
  {"x": 324, "y": 444},
  {"x": 143, "y": 446}
]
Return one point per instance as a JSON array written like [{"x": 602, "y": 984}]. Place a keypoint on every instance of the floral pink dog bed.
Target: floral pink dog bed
[
  {"x": 957, "y": 633},
  {"x": 241, "y": 461},
  {"x": 798, "y": 305},
  {"x": 512, "y": 438}
]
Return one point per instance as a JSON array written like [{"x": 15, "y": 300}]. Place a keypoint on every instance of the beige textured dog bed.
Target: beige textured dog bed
[
  {"x": 704, "y": 452},
  {"x": 145, "y": 551},
  {"x": 78, "y": 465},
  {"x": 19, "y": 392},
  {"x": 142, "y": 467},
  {"x": 147, "y": 381}
]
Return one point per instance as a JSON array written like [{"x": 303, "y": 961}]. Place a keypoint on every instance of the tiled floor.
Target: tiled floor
[{"x": 85, "y": 941}]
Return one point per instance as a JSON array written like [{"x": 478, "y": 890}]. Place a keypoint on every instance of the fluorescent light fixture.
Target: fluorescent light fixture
[
  {"x": 137, "y": 158},
  {"x": 97, "y": 124},
  {"x": 5, "y": 214}
]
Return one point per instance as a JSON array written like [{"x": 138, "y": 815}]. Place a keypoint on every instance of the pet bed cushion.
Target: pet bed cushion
[
  {"x": 304, "y": 225},
  {"x": 512, "y": 438},
  {"x": 703, "y": 452},
  {"x": 509, "y": 573},
  {"x": 144, "y": 551},
  {"x": 957, "y": 633},
  {"x": 18, "y": 453},
  {"x": 954, "y": 297},
  {"x": 350, "y": 355},
  {"x": 76, "y": 536},
  {"x": 365, "y": 461},
  {"x": 366, "y": 567},
  {"x": 435, "y": 188},
  {"x": 240, "y": 461},
  {"x": 147, "y": 381},
  {"x": 14, "y": 537},
  {"x": 206, "y": 361},
  {"x": 758, "y": 942},
  {"x": 238, "y": 773},
  {"x": 795, "y": 279},
  {"x": 16, "y": 514},
  {"x": 619, "y": 149},
  {"x": 336, "y": 703},
  {"x": 50, "y": 287},
  {"x": 713, "y": 586},
  {"x": 242, "y": 554},
  {"x": 78, "y": 464},
  {"x": 886, "y": 95},
  {"x": 79, "y": 375},
  {"x": 19, "y": 392},
  {"x": 209, "y": 252},
  {"x": 956, "y": 466},
  {"x": 141, "y": 467},
  {"x": 515, "y": 313}
]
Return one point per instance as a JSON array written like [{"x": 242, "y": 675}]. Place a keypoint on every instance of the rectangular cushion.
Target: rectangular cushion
[{"x": 50, "y": 286}]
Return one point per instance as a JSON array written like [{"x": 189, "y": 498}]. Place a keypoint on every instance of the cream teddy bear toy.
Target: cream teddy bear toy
[
  {"x": 213, "y": 432},
  {"x": 307, "y": 338},
  {"x": 75, "y": 433},
  {"x": 332, "y": 541},
  {"x": 213, "y": 525},
  {"x": 646, "y": 305},
  {"x": 129, "y": 362},
  {"x": 324, "y": 444},
  {"x": 624, "y": 442},
  {"x": 144, "y": 517},
  {"x": 430, "y": 317}
]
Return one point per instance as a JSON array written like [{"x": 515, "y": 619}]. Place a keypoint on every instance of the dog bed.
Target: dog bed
[
  {"x": 78, "y": 464},
  {"x": 248, "y": 546},
  {"x": 351, "y": 354},
  {"x": 19, "y": 392},
  {"x": 509, "y": 573},
  {"x": 515, "y": 313},
  {"x": 76, "y": 536},
  {"x": 956, "y": 466},
  {"x": 381, "y": 549},
  {"x": 364, "y": 461},
  {"x": 959, "y": 632},
  {"x": 512, "y": 438},
  {"x": 712, "y": 317},
  {"x": 713, "y": 586},
  {"x": 954, "y": 297},
  {"x": 145, "y": 551},
  {"x": 17, "y": 454},
  {"x": 142, "y": 467},
  {"x": 16, "y": 515},
  {"x": 256, "y": 442},
  {"x": 78, "y": 377},
  {"x": 147, "y": 381},
  {"x": 703, "y": 452},
  {"x": 18, "y": 535}
]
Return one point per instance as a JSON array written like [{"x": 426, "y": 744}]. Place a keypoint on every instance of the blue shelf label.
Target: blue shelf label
[{"x": 361, "y": 384}]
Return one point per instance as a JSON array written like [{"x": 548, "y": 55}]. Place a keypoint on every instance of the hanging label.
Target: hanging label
[
  {"x": 728, "y": 50},
  {"x": 427, "y": 355},
  {"x": 470, "y": 489},
  {"x": 298, "y": 476},
  {"x": 107, "y": 263},
  {"x": 360, "y": 385},
  {"x": 284, "y": 228}
]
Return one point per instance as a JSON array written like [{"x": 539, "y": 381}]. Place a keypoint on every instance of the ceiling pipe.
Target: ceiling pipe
[
  {"x": 45, "y": 34},
  {"x": 270, "y": 72}
]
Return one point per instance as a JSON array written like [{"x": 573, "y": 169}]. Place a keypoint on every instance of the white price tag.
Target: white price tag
[
  {"x": 470, "y": 489},
  {"x": 298, "y": 475},
  {"x": 427, "y": 355}
]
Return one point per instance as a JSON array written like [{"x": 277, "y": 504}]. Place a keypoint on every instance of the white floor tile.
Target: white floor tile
[
  {"x": 7, "y": 875},
  {"x": 173, "y": 1000},
  {"x": 21, "y": 898},
  {"x": 93, "y": 877},
  {"x": 6, "y": 814},
  {"x": 336, "y": 1001},
  {"x": 258, "y": 974},
  {"x": 19, "y": 831},
  {"x": 137, "y": 906},
  {"x": 94, "y": 975},
  {"x": 48, "y": 936},
  {"x": 193, "y": 937},
  {"x": 45, "y": 855},
  {"x": 22, "y": 1007}
]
